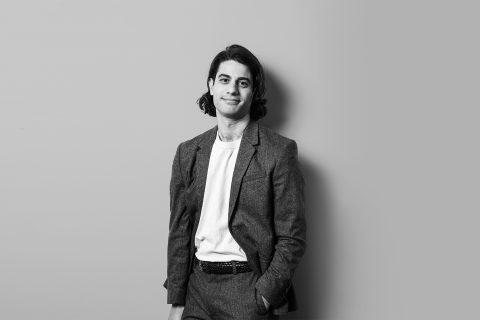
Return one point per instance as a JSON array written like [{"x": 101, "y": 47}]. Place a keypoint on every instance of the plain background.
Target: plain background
[{"x": 381, "y": 96}]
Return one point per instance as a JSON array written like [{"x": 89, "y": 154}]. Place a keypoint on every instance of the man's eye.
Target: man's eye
[
  {"x": 244, "y": 84},
  {"x": 223, "y": 80}
]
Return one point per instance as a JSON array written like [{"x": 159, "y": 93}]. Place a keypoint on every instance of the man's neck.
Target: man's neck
[{"x": 231, "y": 130}]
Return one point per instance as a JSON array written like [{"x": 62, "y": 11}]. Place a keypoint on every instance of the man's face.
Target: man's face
[{"x": 232, "y": 90}]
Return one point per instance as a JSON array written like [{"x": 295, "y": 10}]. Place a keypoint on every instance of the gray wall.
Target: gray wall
[{"x": 381, "y": 96}]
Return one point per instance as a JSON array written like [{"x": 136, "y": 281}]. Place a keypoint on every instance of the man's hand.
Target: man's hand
[
  {"x": 176, "y": 313},
  {"x": 266, "y": 303}
]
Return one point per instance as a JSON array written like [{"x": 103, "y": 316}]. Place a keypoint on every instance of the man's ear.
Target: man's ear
[{"x": 210, "y": 86}]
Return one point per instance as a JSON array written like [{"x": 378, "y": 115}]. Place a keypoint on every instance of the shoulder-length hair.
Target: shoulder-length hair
[{"x": 242, "y": 55}]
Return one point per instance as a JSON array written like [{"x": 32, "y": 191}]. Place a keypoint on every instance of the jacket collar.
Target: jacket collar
[{"x": 250, "y": 135}]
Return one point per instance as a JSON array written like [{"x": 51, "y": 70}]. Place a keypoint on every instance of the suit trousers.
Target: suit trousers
[{"x": 223, "y": 296}]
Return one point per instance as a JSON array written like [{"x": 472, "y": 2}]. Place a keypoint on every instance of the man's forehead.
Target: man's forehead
[{"x": 235, "y": 69}]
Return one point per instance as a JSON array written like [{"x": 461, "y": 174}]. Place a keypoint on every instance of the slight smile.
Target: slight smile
[{"x": 231, "y": 101}]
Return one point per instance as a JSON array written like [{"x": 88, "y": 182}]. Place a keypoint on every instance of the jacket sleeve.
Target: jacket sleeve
[
  {"x": 179, "y": 237},
  {"x": 289, "y": 225}
]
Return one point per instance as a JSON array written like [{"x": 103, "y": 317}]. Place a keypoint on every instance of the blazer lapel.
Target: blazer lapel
[
  {"x": 245, "y": 154},
  {"x": 203, "y": 158}
]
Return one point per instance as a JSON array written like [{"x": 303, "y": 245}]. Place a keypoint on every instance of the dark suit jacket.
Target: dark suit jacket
[{"x": 266, "y": 211}]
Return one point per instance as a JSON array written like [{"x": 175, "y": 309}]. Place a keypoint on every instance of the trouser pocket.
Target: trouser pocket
[{"x": 261, "y": 309}]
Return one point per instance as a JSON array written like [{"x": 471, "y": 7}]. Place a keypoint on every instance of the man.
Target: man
[{"x": 237, "y": 228}]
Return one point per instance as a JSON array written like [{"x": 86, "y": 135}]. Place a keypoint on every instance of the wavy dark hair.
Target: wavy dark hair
[{"x": 242, "y": 55}]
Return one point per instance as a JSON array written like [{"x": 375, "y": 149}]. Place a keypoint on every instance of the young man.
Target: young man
[{"x": 237, "y": 227}]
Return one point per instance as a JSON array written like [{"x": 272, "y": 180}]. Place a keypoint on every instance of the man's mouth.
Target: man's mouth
[{"x": 232, "y": 101}]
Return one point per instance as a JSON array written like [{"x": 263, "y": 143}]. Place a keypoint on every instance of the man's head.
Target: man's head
[{"x": 241, "y": 83}]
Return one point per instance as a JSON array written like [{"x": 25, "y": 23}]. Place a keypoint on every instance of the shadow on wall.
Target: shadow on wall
[
  {"x": 311, "y": 280},
  {"x": 277, "y": 103}
]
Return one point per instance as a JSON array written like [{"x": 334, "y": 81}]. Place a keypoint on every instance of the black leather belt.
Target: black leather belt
[{"x": 228, "y": 267}]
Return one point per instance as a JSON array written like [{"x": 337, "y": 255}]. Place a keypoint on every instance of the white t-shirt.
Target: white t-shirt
[{"x": 213, "y": 240}]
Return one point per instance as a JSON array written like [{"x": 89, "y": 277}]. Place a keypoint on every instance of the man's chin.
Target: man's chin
[{"x": 234, "y": 116}]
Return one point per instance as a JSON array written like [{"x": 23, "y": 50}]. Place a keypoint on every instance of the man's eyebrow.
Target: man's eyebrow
[
  {"x": 244, "y": 78},
  {"x": 227, "y": 76}
]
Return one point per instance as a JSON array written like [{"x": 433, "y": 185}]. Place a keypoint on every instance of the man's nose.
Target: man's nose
[{"x": 232, "y": 88}]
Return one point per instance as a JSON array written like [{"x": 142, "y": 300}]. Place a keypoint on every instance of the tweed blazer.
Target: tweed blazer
[{"x": 265, "y": 216}]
